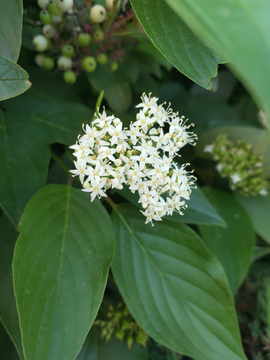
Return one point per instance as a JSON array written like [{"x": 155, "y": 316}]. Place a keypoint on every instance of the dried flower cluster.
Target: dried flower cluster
[
  {"x": 141, "y": 156},
  {"x": 240, "y": 164}
]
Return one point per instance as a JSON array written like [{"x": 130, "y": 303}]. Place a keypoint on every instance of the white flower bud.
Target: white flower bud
[
  {"x": 116, "y": 121},
  {"x": 98, "y": 13},
  {"x": 118, "y": 162},
  {"x": 144, "y": 205},
  {"x": 179, "y": 144},
  {"x": 119, "y": 187}
]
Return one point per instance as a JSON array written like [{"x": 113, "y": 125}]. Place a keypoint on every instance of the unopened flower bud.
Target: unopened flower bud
[{"x": 118, "y": 162}]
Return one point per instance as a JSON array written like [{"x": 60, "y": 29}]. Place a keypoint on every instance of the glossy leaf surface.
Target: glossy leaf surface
[
  {"x": 174, "y": 287},
  {"x": 61, "y": 264},
  {"x": 13, "y": 79},
  {"x": 176, "y": 40},
  {"x": 233, "y": 245}
]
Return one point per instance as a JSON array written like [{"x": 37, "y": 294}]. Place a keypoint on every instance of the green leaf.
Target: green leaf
[
  {"x": 174, "y": 287},
  {"x": 234, "y": 244},
  {"x": 259, "y": 139},
  {"x": 239, "y": 31},
  {"x": 61, "y": 263},
  {"x": 116, "y": 86},
  {"x": 13, "y": 79},
  {"x": 95, "y": 348},
  {"x": 24, "y": 161},
  {"x": 8, "y": 309},
  {"x": 260, "y": 252},
  {"x": 258, "y": 209},
  {"x": 7, "y": 348},
  {"x": 199, "y": 210},
  {"x": 11, "y": 28},
  {"x": 176, "y": 40}
]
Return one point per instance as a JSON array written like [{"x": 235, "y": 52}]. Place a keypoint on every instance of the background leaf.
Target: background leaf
[
  {"x": 239, "y": 31},
  {"x": 13, "y": 79},
  {"x": 258, "y": 209},
  {"x": 175, "y": 39},
  {"x": 95, "y": 348},
  {"x": 7, "y": 348},
  {"x": 174, "y": 287},
  {"x": 10, "y": 28},
  {"x": 8, "y": 309},
  {"x": 199, "y": 210},
  {"x": 233, "y": 245},
  {"x": 24, "y": 161},
  {"x": 60, "y": 266}
]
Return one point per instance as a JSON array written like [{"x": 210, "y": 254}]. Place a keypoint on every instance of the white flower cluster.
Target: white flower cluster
[{"x": 141, "y": 157}]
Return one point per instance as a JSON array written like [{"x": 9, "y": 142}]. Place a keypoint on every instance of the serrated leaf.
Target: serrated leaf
[
  {"x": 24, "y": 161},
  {"x": 174, "y": 287},
  {"x": 199, "y": 210},
  {"x": 176, "y": 40},
  {"x": 95, "y": 348},
  {"x": 239, "y": 31},
  {"x": 233, "y": 245},
  {"x": 258, "y": 209},
  {"x": 8, "y": 310},
  {"x": 13, "y": 79},
  {"x": 61, "y": 263},
  {"x": 11, "y": 28}
]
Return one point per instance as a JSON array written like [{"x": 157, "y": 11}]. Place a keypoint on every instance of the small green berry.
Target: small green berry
[
  {"x": 49, "y": 31},
  {"x": 98, "y": 14},
  {"x": 70, "y": 77},
  {"x": 43, "y": 4},
  {"x": 102, "y": 58},
  {"x": 45, "y": 17},
  {"x": 64, "y": 5},
  {"x": 64, "y": 63},
  {"x": 68, "y": 50},
  {"x": 89, "y": 64},
  {"x": 40, "y": 43},
  {"x": 54, "y": 9},
  {"x": 48, "y": 63},
  {"x": 84, "y": 39},
  {"x": 114, "y": 66},
  {"x": 99, "y": 35},
  {"x": 39, "y": 59},
  {"x": 119, "y": 334}
]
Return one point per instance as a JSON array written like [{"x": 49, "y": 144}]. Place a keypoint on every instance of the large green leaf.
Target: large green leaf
[
  {"x": 10, "y": 28},
  {"x": 61, "y": 263},
  {"x": 174, "y": 287},
  {"x": 95, "y": 348},
  {"x": 239, "y": 31},
  {"x": 8, "y": 311},
  {"x": 13, "y": 79},
  {"x": 116, "y": 86},
  {"x": 175, "y": 39},
  {"x": 234, "y": 244},
  {"x": 199, "y": 210},
  {"x": 24, "y": 161},
  {"x": 259, "y": 139},
  {"x": 258, "y": 209}
]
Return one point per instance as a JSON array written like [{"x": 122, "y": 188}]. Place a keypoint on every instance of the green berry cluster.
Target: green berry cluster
[
  {"x": 77, "y": 36},
  {"x": 121, "y": 324},
  {"x": 240, "y": 164}
]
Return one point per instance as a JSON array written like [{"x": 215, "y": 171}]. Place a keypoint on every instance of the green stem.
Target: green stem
[
  {"x": 110, "y": 202},
  {"x": 60, "y": 163}
]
